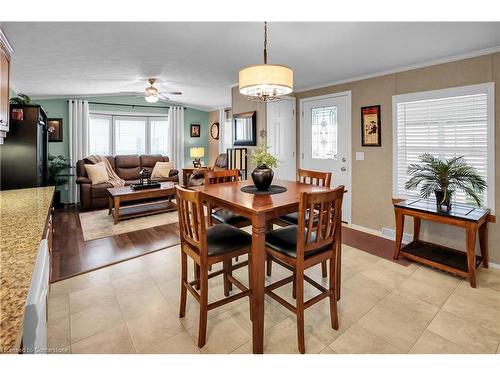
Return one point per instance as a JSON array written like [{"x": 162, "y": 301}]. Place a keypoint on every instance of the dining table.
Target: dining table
[{"x": 261, "y": 209}]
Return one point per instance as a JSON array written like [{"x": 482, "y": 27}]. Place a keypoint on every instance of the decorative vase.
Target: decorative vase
[
  {"x": 262, "y": 177},
  {"x": 441, "y": 200}
]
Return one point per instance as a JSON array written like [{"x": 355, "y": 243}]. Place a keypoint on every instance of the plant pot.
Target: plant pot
[
  {"x": 441, "y": 200},
  {"x": 262, "y": 177}
]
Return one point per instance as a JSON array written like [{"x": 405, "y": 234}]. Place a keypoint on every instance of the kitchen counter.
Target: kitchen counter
[{"x": 23, "y": 221}]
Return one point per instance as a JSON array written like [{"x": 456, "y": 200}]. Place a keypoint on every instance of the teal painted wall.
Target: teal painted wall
[
  {"x": 194, "y": 116},
  {"x": 58, "y": 108}
]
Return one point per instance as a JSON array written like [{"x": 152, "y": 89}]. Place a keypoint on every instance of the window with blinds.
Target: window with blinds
[{"x": 445, "y": 123}]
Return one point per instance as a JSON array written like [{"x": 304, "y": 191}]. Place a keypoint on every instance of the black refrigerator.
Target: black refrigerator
[{"x": 23, "y": 156}]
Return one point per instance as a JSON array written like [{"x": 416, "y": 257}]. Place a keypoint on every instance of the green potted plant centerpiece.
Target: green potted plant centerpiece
[
  {"x": 444, "y": 177},
  {"x": 57, "y": 165},
  {"x": 262, "y": 176}
]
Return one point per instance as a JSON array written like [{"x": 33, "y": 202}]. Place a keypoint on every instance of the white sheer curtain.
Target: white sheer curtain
[
  {"x": 78, "y": 136},
  {"x": 222, "y": 131},
  {"x": 176, "y": 136}
]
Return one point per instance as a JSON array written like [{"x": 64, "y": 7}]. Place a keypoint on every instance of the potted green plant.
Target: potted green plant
[
  {"x": 262, "y": 176},
  {"x": 444, "y": 177},
  {"x": 57, "y": 166},
  {"x": 21, "y": 99}
]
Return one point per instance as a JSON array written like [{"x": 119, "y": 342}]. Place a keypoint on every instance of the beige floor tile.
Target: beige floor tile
[
  {"x": 151, "y": 329},
  {"x": 488, "y": 278},
  {"x": 141, "y": 302},
  {"x": 58, "y": 334},
  {"x": 358, "y": 260},
  {"x": 181, "y": 343},
  {"x": 358, "y": 340},
  {"x": 436, "y": 277},
  {"x": 410, "y": 308},
  {"x": 89, "y": 279},
  {"x": 393, "y": 328},
  {"x": 58, "y": 307},
  {"x": 430, "y": 343},
  {"x": 472, "y": 337},
  {"x": 480, "y": 294},
  {"x": 165, "y": 272},
  {"x": 424, "y": 291},
  {"x": 241, "y": 314},
  {"x": 327, "y": 350},
  {"x": 132, "y": 283},
  {"x": 384, "y": 275},
  {"x": 158, "y": 258},
  {"x": 115, "y": 340},
  {"x": 404, "y": 270},
  {"x": 488, "y": 317},
  {"x": 224, "y": 335},
  {"x": 246, "y": 348},
  {"x": 94, "y": 320},
  {"x": 59, "y": 288},
  {"x": 89, "y": 297},
  {"x": 367, "y": 287},
  {"x": 126, "y": 268},
  {"x": 282, "y": 339}
]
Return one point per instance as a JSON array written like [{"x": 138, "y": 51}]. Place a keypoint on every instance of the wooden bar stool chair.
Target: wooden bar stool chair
[
  {"x": 299, "y": 247},
  {"x": 306, "y": 177},
  {"x": 219, "y": 243}
]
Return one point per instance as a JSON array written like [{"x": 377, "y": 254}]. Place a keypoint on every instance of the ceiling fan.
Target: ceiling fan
[{"x": 152, "y": 94}]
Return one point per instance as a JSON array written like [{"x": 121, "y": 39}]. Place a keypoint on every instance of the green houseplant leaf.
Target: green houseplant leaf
[{"x": 262, "y": 158}]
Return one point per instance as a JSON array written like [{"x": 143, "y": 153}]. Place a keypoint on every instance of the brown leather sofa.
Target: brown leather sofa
[
  {"x": 126, "y": 167},
  {"x": 197, "y": 178}
]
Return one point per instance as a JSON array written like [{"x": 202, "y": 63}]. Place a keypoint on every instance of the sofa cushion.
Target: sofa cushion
[
  {"x": 162, "y": 169},
  {"x": 149, "y": 161},
  {"x": 101, "y": 190},
  {"x": 128, "y": 166},
  {"x": 97, "y": 173}
]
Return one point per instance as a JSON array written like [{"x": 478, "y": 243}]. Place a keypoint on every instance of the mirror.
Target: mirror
[{"x": 245, "y": 129}]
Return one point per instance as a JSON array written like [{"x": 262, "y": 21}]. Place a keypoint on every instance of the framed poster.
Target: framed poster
[
  {"x": 370, "y": 126},
  {"x": 55, "y": 128},
  {"x": 195, "y": 130}
]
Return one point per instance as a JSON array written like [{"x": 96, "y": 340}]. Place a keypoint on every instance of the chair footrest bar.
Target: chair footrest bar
[
  {"x": 227, "y": 300},
  {"x": 317, "y": 298},
  {"x": 280, "y": 283},
  {"x": 315, "y": 284},
  {"x": 280, "y": 300}
]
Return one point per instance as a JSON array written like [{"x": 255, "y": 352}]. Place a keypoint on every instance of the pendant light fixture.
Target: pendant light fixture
[{"x": 265, "y": 82}]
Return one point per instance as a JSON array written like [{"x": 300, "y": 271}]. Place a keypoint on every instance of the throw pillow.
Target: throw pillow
[
  {"x": 97, "y": 173},
  {"x": 162, "y": 169}
]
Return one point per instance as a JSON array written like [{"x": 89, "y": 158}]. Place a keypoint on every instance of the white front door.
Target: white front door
[
  {"x": 281, "y": 136},
  {"x": 326, "y": 140}
]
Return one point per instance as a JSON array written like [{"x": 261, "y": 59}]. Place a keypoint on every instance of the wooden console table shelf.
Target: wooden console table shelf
[{"x": 472, "y": 219}]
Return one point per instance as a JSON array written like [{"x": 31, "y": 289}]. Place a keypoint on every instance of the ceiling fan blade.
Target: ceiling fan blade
[
  {"x": 172, "y": 92},
  {"x": 138, "y": 93},
  {"x": 161, "y": 96}
]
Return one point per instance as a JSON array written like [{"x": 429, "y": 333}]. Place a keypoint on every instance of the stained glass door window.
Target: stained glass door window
[{"x": 324, "y": 132}]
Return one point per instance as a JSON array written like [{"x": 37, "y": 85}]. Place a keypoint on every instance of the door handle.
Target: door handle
[{"x": 343, "y": 169}]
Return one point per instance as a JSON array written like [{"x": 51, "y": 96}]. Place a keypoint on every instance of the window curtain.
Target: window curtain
[
  {"x": 222, "y": 131},
  {"x": 78, "y": 135},
  {"x": 176, "y": 136}
]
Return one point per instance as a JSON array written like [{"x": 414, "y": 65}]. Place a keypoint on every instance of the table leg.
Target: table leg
[
  {"x": 471, "y": 230},
  {"x": 110, "y": 199},
  {"x": 116, "y": 212},
  {"x": 400, "y": 221},
  {"x": 483, "y": 243},
  {"x": 257, "y": 280},
  {"x": 416, "y": 228},
  {"x": 338, "y": 261}
]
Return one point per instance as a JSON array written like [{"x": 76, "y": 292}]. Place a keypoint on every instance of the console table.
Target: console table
[{"x": 472, "y": 219}]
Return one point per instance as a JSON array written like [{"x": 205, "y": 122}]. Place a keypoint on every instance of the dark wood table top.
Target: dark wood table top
[
  {"x": 458, "y": 210},
  {"x": 166, "y": 187},
  {"x": 230, "y": 192}
]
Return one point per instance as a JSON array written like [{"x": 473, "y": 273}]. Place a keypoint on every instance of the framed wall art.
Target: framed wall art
[
  {"x": 371, "y": 135},
  {"x": 55, "y": 128},
  {"x": 195, "y": 130}
]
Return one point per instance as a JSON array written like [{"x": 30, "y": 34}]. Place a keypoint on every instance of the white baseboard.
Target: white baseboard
[
  {"x": 494, "y": 265},
  {"x": 390, "y": 234}
]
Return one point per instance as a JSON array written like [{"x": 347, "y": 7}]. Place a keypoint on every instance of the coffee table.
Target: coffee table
[{"x": 150, "y": 204}]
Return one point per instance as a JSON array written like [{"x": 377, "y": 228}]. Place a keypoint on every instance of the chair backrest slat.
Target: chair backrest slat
[
  {"x": 314, "y": 177},
  {"x": 218, "y": 177},
  {"x": 191, "y": 219},
  {"x": 320, "y": 216}
]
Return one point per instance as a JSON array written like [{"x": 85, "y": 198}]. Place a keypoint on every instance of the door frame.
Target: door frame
[
  {"x": 268, "y": 122},
  {"x": 349, "y": 138}
]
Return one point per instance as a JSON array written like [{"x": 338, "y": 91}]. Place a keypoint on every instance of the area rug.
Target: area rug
[{"x": 98, "y": 224}]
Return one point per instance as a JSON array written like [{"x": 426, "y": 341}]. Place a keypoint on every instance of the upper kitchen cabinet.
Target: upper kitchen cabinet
[{"x": 5, "y": 54}]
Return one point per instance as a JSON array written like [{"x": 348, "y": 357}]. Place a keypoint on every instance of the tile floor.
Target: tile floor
[{"x": 132, "y": 307}]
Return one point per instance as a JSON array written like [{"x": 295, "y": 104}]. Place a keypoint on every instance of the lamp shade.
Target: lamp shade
[
  {"x": 266, "y": 81},
  {"x": 197, "y": 152}
]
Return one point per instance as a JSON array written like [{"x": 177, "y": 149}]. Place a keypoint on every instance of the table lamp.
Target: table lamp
[{"x": 197, "y": 153}]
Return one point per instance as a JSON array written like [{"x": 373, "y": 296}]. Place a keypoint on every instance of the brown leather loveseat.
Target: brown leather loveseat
[{"x": 125, "y": 166}]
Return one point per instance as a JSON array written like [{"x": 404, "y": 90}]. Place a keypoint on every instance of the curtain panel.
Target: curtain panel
[
  {"x": 78, "y": 135},
  {"x": 176, "y": 136}
]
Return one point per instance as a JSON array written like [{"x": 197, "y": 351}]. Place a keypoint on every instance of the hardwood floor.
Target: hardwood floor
[{"x": 72, "y": 255}]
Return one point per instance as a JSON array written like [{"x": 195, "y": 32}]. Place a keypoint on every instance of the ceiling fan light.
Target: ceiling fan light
[{"x": 151, "y": 98}]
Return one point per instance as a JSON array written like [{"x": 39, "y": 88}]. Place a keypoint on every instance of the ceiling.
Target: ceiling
[{"x": 202, "y": 59}]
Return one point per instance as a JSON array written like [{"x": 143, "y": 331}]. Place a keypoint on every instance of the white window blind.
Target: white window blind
[{"x": 445, "y": 124}]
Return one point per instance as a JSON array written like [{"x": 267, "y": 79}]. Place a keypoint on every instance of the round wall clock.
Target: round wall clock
[{"x": 214, "y": 130}]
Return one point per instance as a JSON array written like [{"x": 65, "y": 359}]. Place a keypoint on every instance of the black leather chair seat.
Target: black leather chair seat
[
  {"x": 284, "y": 240},
  {"x": 229, "y": 217},
  {"x": 224, "y": 238},
  {"x": 293, "y": 218}
]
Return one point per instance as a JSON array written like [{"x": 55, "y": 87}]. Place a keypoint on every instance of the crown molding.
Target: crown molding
[
  {"x": 5, "y": 42},
  {"x": 425, "y": 64}
]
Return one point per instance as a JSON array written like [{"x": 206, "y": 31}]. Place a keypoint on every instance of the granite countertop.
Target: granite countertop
[{"x": 23, "y": 217}]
